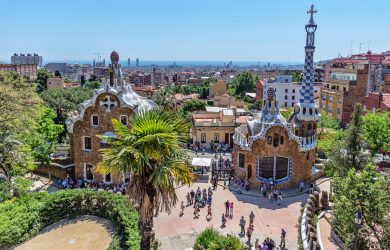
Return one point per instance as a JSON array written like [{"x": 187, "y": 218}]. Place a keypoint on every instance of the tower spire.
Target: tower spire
[{"x": 308, "y": 111}]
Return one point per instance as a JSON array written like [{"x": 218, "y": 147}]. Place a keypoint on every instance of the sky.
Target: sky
[{"x": 198, "y": 30}]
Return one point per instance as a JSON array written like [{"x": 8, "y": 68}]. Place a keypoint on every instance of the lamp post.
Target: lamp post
[{"x": 358, "y": 223}]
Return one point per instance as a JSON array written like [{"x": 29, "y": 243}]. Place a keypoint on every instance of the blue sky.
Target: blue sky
[{"x": 203, "y": 30}]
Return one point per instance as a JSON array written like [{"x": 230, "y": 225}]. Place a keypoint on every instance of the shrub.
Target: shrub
[
  {"x": 211, "y": 239},
  {"x": 23, "y": 217}
]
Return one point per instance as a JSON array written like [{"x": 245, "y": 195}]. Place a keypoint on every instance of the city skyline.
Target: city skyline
[{"x": 190, "y": 31}]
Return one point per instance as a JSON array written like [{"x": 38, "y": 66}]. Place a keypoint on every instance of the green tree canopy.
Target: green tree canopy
[
  {"x": 297, "y": 76},
  {"x": 376, "y": 130},
  {"x": 194, "y": 105},
  {"x": 42, "y": 76},
  {"x": 365, "y": 191},
  {"x": 244, "y": 82}
]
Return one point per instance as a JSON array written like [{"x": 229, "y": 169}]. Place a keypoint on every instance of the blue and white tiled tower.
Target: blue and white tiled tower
[{"x": 306, "y": 108}]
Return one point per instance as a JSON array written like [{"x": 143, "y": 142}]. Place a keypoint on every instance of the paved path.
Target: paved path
[
  {"x": 179, "y": 232},
  {"x": 84, "y": 232},
  {"x": 327, "y": 241}
]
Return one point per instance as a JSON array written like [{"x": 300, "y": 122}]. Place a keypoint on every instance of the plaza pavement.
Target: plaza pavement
[{"x": 177, "y": 232}]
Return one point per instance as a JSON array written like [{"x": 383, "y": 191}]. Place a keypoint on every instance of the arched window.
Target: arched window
[
  {"x": 304, "y": 110},
  {"x": 281, "y": 140},
  {"x": 276, "y": 139},
  {"x": 249, "y": 173},
  {"x": 310, "y": 111}
]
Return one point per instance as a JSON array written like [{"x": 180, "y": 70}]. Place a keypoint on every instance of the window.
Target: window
[
  {"x": 286, "y": 91},
  {"x": 293, "y": 97},
  {"x": 276, "y": 139},
  {"x": 330, "y": 110},
  {"x": 338, "y": 111},
  {"x": 203, "y": 137},
  {"x": 344, "y": 89},
  {"x": 124, "y": 120},
  {"x": 285, "y": 104},
  {"x": 88, "y": 172},
  {"x": 216, "y": 137},
  {"x": 330, "y": 98},
  {"x": 241, "y": 160},
  {"x": 87, "y": 143},
  {"x": 323, "y": 106},
  {"x": 95, "y": 120},
  {"x": 273, "y": 167},
  {"x": 281, "y": 140},
  {"x": 339, "y": 100},
  {"x": 293, "y": 91},
  {"x": 323, "y": 97},
  {"x": 107, "y": 178},
  {"x": 285, "y": 97}
]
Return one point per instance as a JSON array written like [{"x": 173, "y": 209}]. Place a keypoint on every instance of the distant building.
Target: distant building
[
  {"x": 216, "y": 125},
  {"x": 26, "y": 59},
  {"x": 55, "y": 83},
  {"x": 29, "y": 70},
  {"x": 137, "y": 62},
  {"x": 218, "y": 88},
  {"x": 139, "y": 79},
  {"x": 53, "y": 67}
]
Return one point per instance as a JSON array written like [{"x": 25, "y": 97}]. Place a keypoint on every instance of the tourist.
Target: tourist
[
  {"x": 231, "y": 210},
  {"x": 301, "y": 186},
  {"x": 251, "y": 218},
  {"x": 275, "y": 194},
  {"x": 311, "y": 188},
  {"x": 196, "y": 211},
  {"x": 246, "y": 184},
  {"x": 283, "y": 239},
  {"x": 209, "y": 213},
  {"x": 280, "y": 198},
  {"x": 209, "y": 191},
  {"x": 265, "y": 247},
  {"x": 192, "y": 193},
  {"x": 257, "y": 245},
  {"x": 270, "y": 196},
  {"x": 227, "y": 206},
  {"x": 209, "y": 200},
  {"x": 249, "y": 232},
  {"x": 223, "y": 221},
  {"x": 224, "y": 184},
  {"x": 242, "y": 225},
  {"x": 188, "y": 199},
  {"x": 215, "y": 183},
  {"x": 182, "y": 208}
]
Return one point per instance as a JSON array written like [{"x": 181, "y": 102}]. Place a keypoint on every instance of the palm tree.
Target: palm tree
[{"x": 153, "y": 152}]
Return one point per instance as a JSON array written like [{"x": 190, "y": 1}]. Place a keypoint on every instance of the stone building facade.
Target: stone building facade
[
  {"x": 271, "y": 148},
  {"x": 115, "y": 100}
]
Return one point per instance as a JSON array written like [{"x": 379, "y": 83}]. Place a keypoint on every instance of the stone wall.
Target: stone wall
[{"x": 309, "y": 238}]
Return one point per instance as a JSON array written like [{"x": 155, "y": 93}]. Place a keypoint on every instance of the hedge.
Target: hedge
[
  {"x": 212, "y": 239},
  {"x": 22, "y": 218}
]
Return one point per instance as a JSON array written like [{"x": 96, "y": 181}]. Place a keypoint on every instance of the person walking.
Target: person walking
[
  {"x": 257, "y": 245},
  {"x": 283, "y": 239},
  {"x": 192, "y": 193},
  {"x": 249, "y": 232},
  {"x": 188, "y": 199},
  {"x": 223, "y": 221},
  {"x": 251, "y": 218},
  {"x": 242, "y": 225},
  {"x": 231, "y": 210},
  {"x": 270, "y": 196},
  {"x": 182, "y": 208},
  {"x": 280, "y": 198},
  {"x": 209, "y": 213},
  {"x": 227, "y": 206}
]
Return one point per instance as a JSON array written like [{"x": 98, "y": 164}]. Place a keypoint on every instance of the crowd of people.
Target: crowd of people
[
  {"x": 68, "y": 183},
  {"x": 215, "y": 147}
]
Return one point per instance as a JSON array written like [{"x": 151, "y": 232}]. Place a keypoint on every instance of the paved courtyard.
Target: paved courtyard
[
  {"x": 179, "y": 232},
  {"x": 84, "y": 232}
]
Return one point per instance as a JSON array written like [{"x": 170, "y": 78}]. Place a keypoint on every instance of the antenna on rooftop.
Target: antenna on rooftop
[
  {"x": 350, "y": 49},
  {"x": 360, "y": 48}
]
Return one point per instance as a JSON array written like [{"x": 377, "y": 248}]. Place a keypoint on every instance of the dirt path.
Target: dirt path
[{"x": 84, "y": 232}]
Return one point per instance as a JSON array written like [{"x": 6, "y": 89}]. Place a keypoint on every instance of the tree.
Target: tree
[
  {"x": 257, "y": 105},
  {"x": 349, "y": 153},
  {"x": 42, "y": 76},
  {"x": 297, "y": 76},
  {"x": 46, "y": 138},
  {"x": 376, "y": 130},
  {"x": 57, "y": 73},
  {"x": 152, "y": 151},
  {"x": 244, "y": 82},
  {"x": 364, "y": 191},
  {"x": 194, "y": 105},
  {"x": 82, "y": 81},
  {"x": 64, "y": 101},
  {"x": 92, "y": 85},
  {"x": 164, "y": 99}
]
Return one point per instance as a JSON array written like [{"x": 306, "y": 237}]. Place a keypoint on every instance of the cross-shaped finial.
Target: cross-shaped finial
[
  {"x": 311, "y": 11},
  {"x": 108, "y": 104}
]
